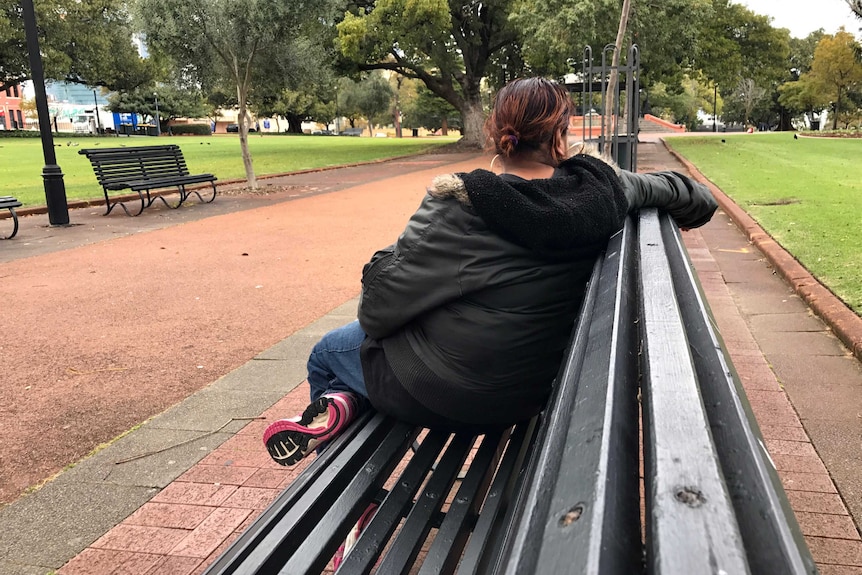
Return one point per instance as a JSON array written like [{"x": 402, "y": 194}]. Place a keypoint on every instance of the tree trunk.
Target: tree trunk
[
  {"x": 444, "y": 127},
  {"x": 243, "y": 138},
  {"x": 837, "y": 111},
  {"x": 473, "y": 123},
  {"x": 294, "y": 124},
  {"x": 611, "y": 94}
]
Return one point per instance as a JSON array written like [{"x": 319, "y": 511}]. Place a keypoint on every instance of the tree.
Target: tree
[
  {"x": 373, "y": 98},
  {"x": 803, "y": 96},
  {"x": 173, "y": 102},
  {"x": 739, "y": 106},
  {"x": 429, "y": 111},
  {"x": 301, "y": 91},
  {"x": 229, "y": 41},
  {"x": 856, "y": 7},
  {"x": 446, "y": 45},
  {"x": 836, "y": 68},
  {"x": 82, "y": 42}
]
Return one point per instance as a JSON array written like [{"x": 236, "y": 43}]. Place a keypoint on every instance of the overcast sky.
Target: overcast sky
[{"x": 802, "y": 17}]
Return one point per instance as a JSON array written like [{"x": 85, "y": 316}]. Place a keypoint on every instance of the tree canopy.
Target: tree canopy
[
  {"x": 447, "y": 45},
  {"x": 836, "y": 68},
  {"x": 238, "y": 43},
  {"x": 82, "y": 42}
]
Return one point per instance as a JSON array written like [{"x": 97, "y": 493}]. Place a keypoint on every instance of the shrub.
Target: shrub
[{"x": 196, "y": 129}]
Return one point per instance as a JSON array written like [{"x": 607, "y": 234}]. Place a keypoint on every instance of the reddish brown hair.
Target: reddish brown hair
[{"x": 529, "y": 116}]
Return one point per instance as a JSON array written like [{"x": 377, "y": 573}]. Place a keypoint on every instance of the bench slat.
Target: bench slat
[
  {"x": 691, "y": 525},
  {"x": 485, "y": 545},
  {"x": 376, "y": 535},
  {"x": 772, "y": 537},
  {"x": 580, "y": 510},
  {"x": 320, "y": 533},
  {"x": 408, "y": 541},
  {"x": 445, "y": 551},
  {"x": 257, "y": 545}
]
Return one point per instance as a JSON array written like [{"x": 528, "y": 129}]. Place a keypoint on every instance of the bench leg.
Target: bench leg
[
  {"x": 152, "y": 199},
  {"x": 111, "y": 205},
  {"x": 14, "y": 225},
  {"x": 202, "y": 200}
]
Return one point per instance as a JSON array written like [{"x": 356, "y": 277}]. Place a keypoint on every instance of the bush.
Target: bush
[
  {"x": 20, "y": 134},
  {"x": 196, "y": 129}
]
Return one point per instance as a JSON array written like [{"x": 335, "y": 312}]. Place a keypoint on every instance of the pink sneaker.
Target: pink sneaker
[
  {"x": 353, "y": 536},
  {"x": 289, "y": 440}
]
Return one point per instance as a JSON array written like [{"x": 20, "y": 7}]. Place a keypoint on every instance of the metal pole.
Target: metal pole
[
  {"x": 158, "y": 123},
  {"x": 55, "y": 188},
  {"x": 96, "y": 108}
]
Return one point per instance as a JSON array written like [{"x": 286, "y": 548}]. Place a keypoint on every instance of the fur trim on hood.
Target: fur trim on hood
[
  {"x": 577, "y": 206},
  {"x": 449, "y": 186}
]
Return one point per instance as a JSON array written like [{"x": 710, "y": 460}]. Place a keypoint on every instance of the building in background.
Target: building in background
[{"x": 11, "y": 117}]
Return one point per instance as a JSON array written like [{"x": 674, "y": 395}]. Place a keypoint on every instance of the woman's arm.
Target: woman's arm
[{"x": 689, "y": 203}]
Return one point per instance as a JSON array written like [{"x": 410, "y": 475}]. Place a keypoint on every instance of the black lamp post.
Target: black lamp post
[
  {"x": 714, "y": 107},
  {"x": 55, "y": 189},
  {"x": 158, "y": 123}
]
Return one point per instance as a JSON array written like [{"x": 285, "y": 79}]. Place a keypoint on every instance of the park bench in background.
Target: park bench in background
[
  {"x": 561, "y": 494},
  {"x": 11, "y": 203},
  {"x": 142, "y": 169}
]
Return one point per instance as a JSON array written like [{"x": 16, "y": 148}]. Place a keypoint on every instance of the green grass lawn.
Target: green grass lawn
[
  {"x": 22, "y": 159},
  {"x": 806, "y": 193}
]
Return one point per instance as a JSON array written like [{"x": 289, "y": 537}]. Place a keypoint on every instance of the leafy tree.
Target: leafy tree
[
  {"x": 802, "y": 52},
  {"x": 301, "y": 91},
  {"x": 429, "y": 111},
  {"x": 737, "y": 43},
  {"x": 173, "y": 102},
  {"x": 82, "y": 42},
  {"x": 373, "y": 98},
  {"x": 230, "y": 42},
  {"x": 349, "y": 95},
  {"x": 803, "y": 96},
  {"x": 836, "y": 68},
  {"x": 446, "y": 45},
  {"x": 682, "y": 103}
]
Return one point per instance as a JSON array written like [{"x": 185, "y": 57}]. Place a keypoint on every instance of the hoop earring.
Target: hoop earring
[{"x": 494, "y": 159}]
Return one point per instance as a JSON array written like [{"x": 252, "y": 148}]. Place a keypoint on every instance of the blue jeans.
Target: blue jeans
[{"x": 334, "y": 363}]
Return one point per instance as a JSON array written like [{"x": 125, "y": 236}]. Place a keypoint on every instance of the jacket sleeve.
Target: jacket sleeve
[
  {"x": 690, "y": 203},
  {"x": 418, "y": 273}
]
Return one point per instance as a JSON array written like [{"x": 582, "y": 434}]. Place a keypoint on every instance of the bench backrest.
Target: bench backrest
[
  {"x": 117, "y": 165},
  {"x": 713, "y": 500}
]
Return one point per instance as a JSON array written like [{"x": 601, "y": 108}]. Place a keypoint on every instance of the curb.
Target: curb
[
  {"x": 36, "y": 210},
  {"x": 843, "y": 321}
]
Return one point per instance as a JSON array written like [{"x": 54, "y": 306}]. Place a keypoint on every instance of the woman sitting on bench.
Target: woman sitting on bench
[{"x": 463, "y": 322}]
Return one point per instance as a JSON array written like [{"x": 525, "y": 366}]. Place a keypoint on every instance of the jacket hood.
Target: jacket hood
[{"x": 556, "y": 215}]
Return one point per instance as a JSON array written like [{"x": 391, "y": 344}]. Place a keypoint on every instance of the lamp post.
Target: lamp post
[
  {"x": 52, "y": 175},
  {"x": 158, "y": 123},
  {"x": 96, "y": 108},
  {"x": 336, "y": 109}
]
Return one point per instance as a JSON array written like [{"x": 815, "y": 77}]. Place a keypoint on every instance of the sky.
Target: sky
[{"x": 802, "y": 17}]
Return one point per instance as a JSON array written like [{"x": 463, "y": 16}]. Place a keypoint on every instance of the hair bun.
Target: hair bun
[{"x": 508, "y": 143}]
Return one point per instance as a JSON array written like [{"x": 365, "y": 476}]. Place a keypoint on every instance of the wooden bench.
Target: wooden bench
[
  {"x": 11, "y": 203},
  {"x": 561, "y": 494},
  {"x": 142, "y": 169}
]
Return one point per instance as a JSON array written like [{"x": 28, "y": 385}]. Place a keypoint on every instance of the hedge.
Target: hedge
[{"x": 196, "y": 129}]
